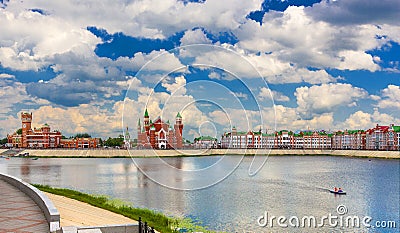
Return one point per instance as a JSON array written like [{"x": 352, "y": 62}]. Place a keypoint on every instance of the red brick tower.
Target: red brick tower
[
  {"x": 46, "y": 136},
  {"x": 153, "y": 137},
  {"x": 26, "y": 127},
  {"x": 170, "y": 137},
  {"x": 178, "y": 131}
]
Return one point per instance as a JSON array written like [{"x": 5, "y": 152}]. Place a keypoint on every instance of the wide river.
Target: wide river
[{"x": 288, "y": 186}]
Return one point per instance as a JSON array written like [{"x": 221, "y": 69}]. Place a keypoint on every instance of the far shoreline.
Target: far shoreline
[{"x": 134, "y": 153}]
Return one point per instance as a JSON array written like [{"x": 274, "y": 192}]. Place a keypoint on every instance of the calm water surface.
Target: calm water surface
[{"x": 286, "y": 185}]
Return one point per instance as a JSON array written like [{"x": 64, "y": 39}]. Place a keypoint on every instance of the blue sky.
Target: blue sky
[{"x": 93, "y": 66}]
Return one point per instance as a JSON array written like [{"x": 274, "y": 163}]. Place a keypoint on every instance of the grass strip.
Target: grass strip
[{"x": 159, "y": 221}]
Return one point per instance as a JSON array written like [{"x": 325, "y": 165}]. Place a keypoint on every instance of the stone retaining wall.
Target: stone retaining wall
[{"x": 164, "y": 153}]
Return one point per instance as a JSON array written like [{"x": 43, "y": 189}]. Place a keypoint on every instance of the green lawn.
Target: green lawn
[{"x": 157, "y": 220}]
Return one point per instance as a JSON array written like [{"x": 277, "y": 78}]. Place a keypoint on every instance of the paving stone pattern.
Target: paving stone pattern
[{"x": 19, "y": 213}]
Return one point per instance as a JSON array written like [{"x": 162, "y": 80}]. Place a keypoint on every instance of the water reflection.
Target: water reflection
[{"x": 287, "y": 186}]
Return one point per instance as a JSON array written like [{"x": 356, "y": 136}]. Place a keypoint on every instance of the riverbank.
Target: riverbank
[
  {"x": 81, "y": 209},
  {"x": 99, "y": 153}
]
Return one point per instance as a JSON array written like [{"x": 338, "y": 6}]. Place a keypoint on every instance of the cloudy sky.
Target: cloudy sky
[{"x": 93, "y": 65}]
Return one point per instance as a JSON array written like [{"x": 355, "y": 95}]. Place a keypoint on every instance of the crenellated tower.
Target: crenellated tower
[{"x": 26, "y": 119}]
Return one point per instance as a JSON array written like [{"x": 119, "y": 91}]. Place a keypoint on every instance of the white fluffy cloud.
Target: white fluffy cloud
[
  {"x": 364, "y": 120},
  {"x": 13, "y": 93},
  {"x": 29, "y": 40},
  {"x": 177, "y": 87},
  {"x": 105, "y": 122},
  {"x": 267, "y": 94},
  {"x": 146, "y": 18},
  {"x": 196, "y": 36},
  {"x": 358, "y": 120},
  {"x": 154, "y": 61},
  {"x": 349, "y": 12},
  {"x": 390, "y": 97},
  {"x": 13, "y": 96},
  {"x": 326, "y": 97},
  {"x": 82, "y": 119},
  {"x": 289, "y": 118},
  {"x": 250, "y": 65},
  {"x": 294, "y": 36},
  {"x": 9, "y": 124}
]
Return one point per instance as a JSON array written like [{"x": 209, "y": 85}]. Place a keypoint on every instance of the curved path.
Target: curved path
[
  {"x": 76, "y": 213},
  {"x": 18, "y": 212}
]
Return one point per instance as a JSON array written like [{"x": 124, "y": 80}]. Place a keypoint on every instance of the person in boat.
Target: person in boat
[
  {"x": 335, "y": 189},
  {"x": 340, "y": 190}
]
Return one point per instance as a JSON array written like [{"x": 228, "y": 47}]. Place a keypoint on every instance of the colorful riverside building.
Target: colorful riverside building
[
  {"x": 383, "y": 138},
  {"x": 205, "y": 142},
  {"x": 242, "y": 139},
  {"x": 315, "y": 140},
  {"x": 349, "y": 140},
  {"x": 44, "y": 138},
  {"x": 159, "y": 134},
  {"x": 41, "y": 137},
  {"x": 378, "y": 138},
  {"x": 283, "y": 139}
]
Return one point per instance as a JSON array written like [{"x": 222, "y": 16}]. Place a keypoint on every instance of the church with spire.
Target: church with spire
[{"x": 158, "y": 134}]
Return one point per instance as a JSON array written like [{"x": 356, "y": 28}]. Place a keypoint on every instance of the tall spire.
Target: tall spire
[
  {"x": 146, "y": 114},
  {"x": 138, "y": 123},
  {"x": 178, "y": 115}
]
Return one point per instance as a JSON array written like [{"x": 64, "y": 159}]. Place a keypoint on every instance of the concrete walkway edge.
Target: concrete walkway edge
[{"x": 45, "y": 204}]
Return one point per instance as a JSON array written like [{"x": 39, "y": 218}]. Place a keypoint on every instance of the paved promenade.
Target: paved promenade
[
  {"x": 19, "y": 213},
  {"x": 76, "y": 213}
]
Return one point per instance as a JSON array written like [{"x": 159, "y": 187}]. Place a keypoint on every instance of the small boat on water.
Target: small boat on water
[
  {"x": 23, "y": 154},
  {"x": 35, "y": 158},
  {"x": 340, "y": 192}
]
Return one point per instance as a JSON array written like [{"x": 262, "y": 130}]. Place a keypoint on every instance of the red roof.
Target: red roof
[
  {"x": 158, "y": 124},
  {"x": 381, "y": 128}
]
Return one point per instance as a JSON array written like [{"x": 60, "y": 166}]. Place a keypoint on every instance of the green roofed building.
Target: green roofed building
[
  {"x": 205, "y": 142},
  {"x": 378, "y": 138},
  {"x": 158, "y": 134}
]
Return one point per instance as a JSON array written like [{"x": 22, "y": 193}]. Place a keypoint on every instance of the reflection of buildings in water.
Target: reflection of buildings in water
[
  {"x": 142, "y": 179},
  {"x": 52, "y": 173},
  {"x": 124, "y": 176},
  {"x": 155, "y": 193},
  {"x": 127, "y": 171},
  {"x": 41, "y": 171},
  {"x": 174, "y": 162},
  {"x": 80, "y": 175},
  {"x": 25, "y": 168}
]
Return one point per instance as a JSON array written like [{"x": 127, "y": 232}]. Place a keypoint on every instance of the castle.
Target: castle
[
  {"x": 44, "y": 138},
  {"x": 160, "y": 134}
]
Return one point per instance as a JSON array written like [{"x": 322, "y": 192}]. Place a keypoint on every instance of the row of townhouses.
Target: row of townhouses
[{"x": 377, "y": 138}]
